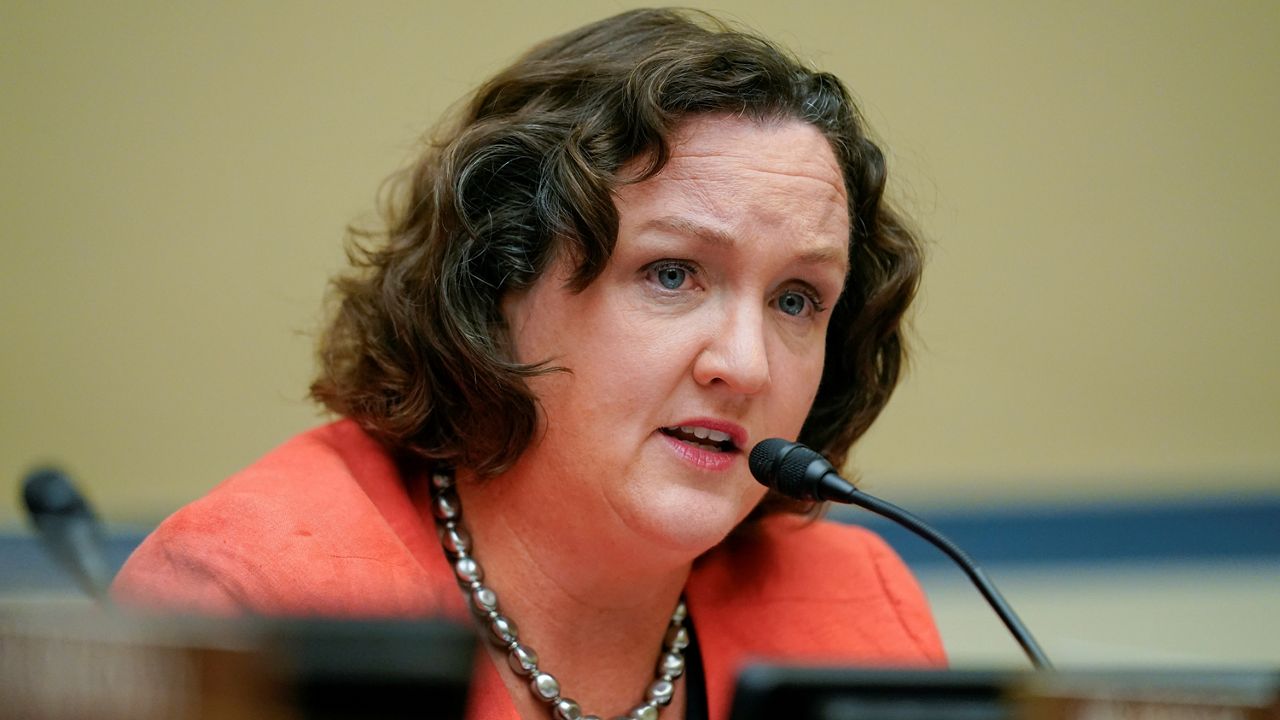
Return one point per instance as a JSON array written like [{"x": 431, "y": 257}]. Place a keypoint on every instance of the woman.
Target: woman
[{"x": 644, "y": 247}]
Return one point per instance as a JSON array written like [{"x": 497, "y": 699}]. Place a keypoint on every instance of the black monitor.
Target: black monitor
[{"x": 818, "y": 693}]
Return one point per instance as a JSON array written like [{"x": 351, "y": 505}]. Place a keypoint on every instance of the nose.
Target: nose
[{"x": 735, "y": 354}]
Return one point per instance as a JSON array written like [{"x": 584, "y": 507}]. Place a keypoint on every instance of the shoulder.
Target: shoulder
[
  {"x": 308, "y": 529},
  {"x": 837, "y": 585}
]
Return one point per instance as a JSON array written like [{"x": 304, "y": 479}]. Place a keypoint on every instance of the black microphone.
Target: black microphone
[
  {"x": 68, "y": 528},
  {"x": 799, "y": 472}
]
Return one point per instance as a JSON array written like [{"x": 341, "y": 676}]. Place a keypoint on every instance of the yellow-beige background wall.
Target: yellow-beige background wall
[{"x": 1098, "y": 181}]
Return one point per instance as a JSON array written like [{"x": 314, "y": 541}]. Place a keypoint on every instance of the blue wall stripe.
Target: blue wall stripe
[
  {"x": 25, "y": 567},
  {"x": 1236, "y": 528},
  {"x": 1214, "y": 529}
]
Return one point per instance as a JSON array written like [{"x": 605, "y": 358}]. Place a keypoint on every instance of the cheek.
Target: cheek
[
  {"x": 616, "y": 360},
  {"x": 797, "y": 387},
  {"x": 626, "y": 363}
]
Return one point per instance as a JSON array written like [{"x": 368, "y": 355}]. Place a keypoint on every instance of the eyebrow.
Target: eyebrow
[{"x": 714, "y": 236}]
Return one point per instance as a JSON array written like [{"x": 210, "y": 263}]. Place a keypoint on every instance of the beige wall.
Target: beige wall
[{"x": 1098, "y": 180}]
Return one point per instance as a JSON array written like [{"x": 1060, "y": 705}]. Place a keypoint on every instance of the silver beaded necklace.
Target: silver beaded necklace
[{"x": 447, "y": 508}]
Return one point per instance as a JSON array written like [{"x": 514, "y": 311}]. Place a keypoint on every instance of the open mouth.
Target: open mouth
[{"x": 701, "y": 437}]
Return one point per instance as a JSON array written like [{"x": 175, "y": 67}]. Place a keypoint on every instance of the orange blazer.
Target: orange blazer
[{"x": 325, "y": 525}]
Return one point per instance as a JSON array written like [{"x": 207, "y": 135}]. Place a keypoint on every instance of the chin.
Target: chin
[{"x": 687, "y": 521}]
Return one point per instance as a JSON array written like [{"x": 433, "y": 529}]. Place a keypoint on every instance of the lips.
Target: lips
[
  {"x": 710, "y": 435},
  {"x": 702, "y": 437}
]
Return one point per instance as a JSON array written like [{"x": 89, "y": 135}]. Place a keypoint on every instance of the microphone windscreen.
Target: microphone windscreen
[
  {"x": 48, "y": 491},
  {"x": 792, "y": 469},
  {"x": 764, "y": 460}
]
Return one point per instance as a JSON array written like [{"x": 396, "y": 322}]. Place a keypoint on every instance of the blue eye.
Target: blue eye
[
  {"x": 793, "y": 303},
  {"x": 671, "y": 277}
]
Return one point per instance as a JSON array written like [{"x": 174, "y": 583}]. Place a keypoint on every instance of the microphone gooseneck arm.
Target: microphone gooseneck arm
[
  {"x": 800, "y": 472},
  {"x": 69, "y": 530},
  {"x": 966, "y": 563}
]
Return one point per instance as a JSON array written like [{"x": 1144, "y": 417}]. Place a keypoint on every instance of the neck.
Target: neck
[{"x": 589, "y": 596}]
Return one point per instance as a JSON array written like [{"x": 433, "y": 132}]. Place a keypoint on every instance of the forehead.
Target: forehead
[
  {"x": 756, "y": 181},
  {"x": 783, "y": 147}
]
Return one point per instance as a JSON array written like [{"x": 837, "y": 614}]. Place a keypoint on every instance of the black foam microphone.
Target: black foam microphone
[
  {"x": 68, "y": 528},
  {"x": 799, "y": 472}
]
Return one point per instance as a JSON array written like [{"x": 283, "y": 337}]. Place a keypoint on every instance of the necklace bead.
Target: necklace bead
[
  {"x": 545, "y": 686},
  {"x": 671, "y": 666},
  {"x": 468, "y": 570},
  {"x": 484, "y": 600},
  {"x": 644, "y": 712},
  {"x": 522, "y": 659},
  {"x": 457, "y": 545},
  {"x": 504, "y": 630},
  {"x": 455, "y": 540},
  {"x": 661, "y": 692},
  {"x": 567, "y": 709},
  {"x": 677, "y": 637},
  {"x": 446, "y": 505}
]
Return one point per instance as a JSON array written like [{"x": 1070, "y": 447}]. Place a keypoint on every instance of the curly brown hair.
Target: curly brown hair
[{"x": 418, "y": 351}]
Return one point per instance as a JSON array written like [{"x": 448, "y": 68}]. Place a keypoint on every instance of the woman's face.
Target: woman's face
[{"x": 704, "y": 334}]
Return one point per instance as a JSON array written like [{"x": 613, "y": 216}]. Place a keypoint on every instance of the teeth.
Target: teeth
[{"x": 705, "y": 434}]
